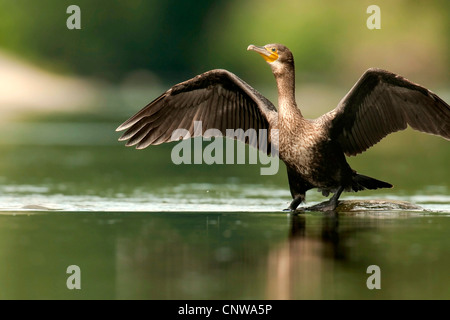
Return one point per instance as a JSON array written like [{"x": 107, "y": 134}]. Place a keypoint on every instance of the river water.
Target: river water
[{"x": 140, "y": 227}]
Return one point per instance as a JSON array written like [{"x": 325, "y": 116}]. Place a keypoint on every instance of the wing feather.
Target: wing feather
[
  {"x": 218, "y": 98},
  {"x": 380, "y": 103}
]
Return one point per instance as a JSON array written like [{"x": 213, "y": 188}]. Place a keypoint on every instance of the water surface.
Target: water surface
[{"x": 140, "y": 227}]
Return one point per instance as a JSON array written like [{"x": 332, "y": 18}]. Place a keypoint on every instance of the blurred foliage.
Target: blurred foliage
[
  {"x": 330, "y": 38},
  {"x": 176, "y": 39},
  {"x": 116, "y": 36}
]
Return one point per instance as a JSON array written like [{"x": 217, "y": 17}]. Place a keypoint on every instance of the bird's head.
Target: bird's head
[{"x": 276, "y": 55}]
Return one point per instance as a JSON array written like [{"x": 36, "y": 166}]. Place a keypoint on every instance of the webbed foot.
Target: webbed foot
[
  {"x": 323, "y": 206},
  {"x": 329, "y": 205}
]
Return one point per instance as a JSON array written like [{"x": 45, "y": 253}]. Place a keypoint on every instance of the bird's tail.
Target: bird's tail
[{"x": 361, "y": 182}]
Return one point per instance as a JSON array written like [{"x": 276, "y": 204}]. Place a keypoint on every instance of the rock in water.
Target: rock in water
[{"x": 376, "y": 205}]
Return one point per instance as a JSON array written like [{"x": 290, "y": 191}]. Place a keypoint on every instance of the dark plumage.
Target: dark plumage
[{"x": 314, "y": 151}]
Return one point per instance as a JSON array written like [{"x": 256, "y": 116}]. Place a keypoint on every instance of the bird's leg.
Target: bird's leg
[
  {"x": 328, "y": 205},
  {"x": 298, "y": 198}
]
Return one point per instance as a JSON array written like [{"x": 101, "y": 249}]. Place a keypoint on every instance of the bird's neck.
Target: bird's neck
[{"x": 287, "y": 107}]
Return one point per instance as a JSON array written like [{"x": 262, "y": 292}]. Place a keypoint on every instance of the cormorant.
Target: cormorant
[{"x": 314, "y": 151}]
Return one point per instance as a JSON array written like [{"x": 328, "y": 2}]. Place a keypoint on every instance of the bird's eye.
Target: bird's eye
[{"x": 274, "y": 50}]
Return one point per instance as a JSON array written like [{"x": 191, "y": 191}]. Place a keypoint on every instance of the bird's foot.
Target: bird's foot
[
  {"x": 323, "y": 206},
  {"x": 294, "y": 204},
  {"x": 295, "y": 211}
]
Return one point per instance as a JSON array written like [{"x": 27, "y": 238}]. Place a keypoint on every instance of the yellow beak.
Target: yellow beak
[{"x": 268, "y": 55}]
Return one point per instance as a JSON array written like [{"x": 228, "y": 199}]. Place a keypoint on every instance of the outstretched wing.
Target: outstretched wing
[
  {"x": 217, "y": 98},
  {"x": 380, "y": 103}
]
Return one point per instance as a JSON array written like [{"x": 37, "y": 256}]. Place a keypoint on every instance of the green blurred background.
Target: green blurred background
[
  {"x": 176, "y": 39},
  {"x": 74, "y": 87},
  {"x": 144, "y": 47}
]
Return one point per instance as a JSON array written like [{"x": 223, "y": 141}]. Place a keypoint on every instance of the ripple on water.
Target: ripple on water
[{"x": 192, "y": 197}]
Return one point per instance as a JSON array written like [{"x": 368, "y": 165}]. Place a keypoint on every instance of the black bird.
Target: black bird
[{"x": 314, "y": 151}]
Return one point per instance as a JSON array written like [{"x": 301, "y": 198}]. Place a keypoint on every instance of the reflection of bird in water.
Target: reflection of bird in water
[
  {"x": 329, "y": 234},
  {"x": 318, "y": 254},
  {"x": 314, "y": 151},
  {"x": 305, "y": 264}
]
